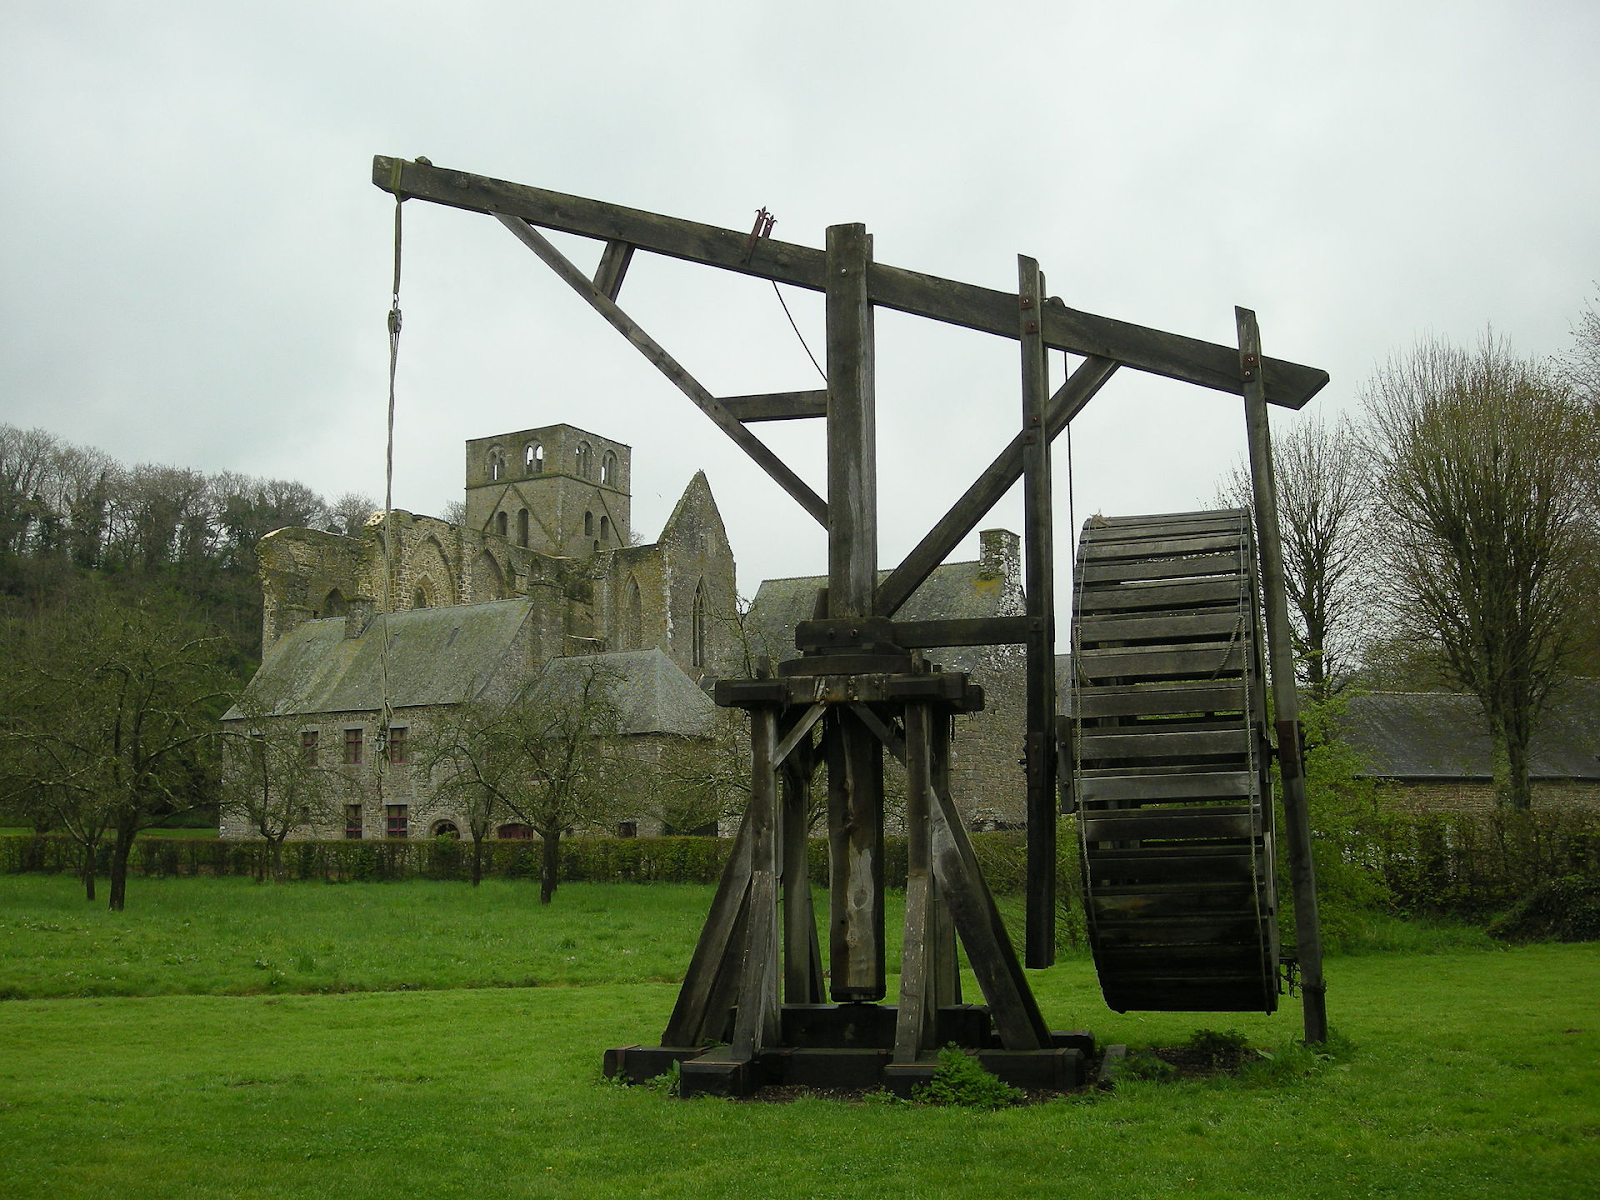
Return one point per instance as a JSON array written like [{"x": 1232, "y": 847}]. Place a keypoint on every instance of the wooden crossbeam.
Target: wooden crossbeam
[
  {"x": 985, "y": 309},
  {"x": 777, "y": 406},
  {"x": 669, "y": 366},
  {"x": 986, "y": 491}
]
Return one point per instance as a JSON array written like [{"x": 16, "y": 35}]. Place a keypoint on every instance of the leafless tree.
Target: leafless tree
[
  {"x": 1324, "y": 483},
  {"x": 278, "y": 781},
  {"x": 1482, "y": 460}
]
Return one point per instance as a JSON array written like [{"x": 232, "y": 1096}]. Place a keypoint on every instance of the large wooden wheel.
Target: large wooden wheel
[{"x": 1170, "y": 763}]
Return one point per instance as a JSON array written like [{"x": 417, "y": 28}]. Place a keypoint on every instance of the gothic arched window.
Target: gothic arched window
[
  {"x": 605, "y": 530},
  {"x": 533, "y": 459},
  {"x": 500, "y": 523},
  {"x": 585, "y": 460},
  {"x": 588, "y": 524},
  {"x": 633, "y": 627},
  {"x": 697, "y": 650},
  {"x": 522, "y": 527},
  {"x": 608, "y": 469},
  {"x": 497, "y": 464}
]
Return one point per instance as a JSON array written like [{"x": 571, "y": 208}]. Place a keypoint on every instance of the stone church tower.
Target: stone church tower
[{"x": 558, "y": 490}]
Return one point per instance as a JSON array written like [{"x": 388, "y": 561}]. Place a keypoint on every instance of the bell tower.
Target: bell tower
[{"x": 556, "y": 489}]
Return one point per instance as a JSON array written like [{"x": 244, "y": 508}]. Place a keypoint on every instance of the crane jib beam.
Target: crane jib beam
[{"x": 1191, "y": 360}]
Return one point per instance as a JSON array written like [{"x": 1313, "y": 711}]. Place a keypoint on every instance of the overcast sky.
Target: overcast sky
[{"x": 196, "y": 266}]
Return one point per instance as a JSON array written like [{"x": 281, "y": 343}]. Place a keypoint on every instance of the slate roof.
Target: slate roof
[
  {"x": 1438, "y": 735},
  {"x": 436, "y": 656},
  {"x": 651, "y": 692},
  {"x": 955, "y": 591}
]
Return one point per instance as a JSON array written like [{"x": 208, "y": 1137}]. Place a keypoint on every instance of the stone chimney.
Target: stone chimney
[
  {"x": 358, "y": 616},
  {"x": 1000, "y": 555}
]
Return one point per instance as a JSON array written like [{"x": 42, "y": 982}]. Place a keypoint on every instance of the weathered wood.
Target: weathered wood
[
  {"x": 777, "y": 406},
  {"x": 759, "y": 1006},
  {"x": 1172, "y": 355},
  {"x": 1164, "y": 823},
  {"x": 983, "y": 933},
  {"x": 1192, "y": 626},
  {"x": 670, "y": 367},
  {"x": 1039, "y": 573},
  {"x": 986, "y": 491},
  {"x": 1094, "y": 745},
  {"x": 1158, "y": 596},
  {"x": 614, "y": 260},
  {"x": 973, "y": 631},
  {"x": 801, "y": 730},
  {"x": 716, "y": 946},
  {"x": 941, "y": 927},
  {"x": 856, "y": 969},
  {"x": 915, "y": 1019},
  {"x": 1153, "y": 700},
  {"x": 1157, "y": 662},
  {"x": 852, "y": 427},
  {"x": 1152, "y": 789},
  {"x": 802, "y": 959},
  {"x": 1109, "y": 551},
  {"x": 1170, "y": 568},
  {"x": 1286, "y": 698}
]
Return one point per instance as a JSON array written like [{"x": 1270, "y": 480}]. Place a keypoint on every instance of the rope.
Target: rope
[
  {"x": 797, "y": 332},
  {"x": 386, "y": 712}
]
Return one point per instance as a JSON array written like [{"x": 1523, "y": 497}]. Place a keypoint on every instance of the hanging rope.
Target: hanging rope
[
  {"x": 386, "y": 712},
  {"x": 797, "y": 332}
]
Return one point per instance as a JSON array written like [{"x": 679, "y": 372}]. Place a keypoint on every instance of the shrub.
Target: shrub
[
  {"x": 961, "y": 1082},
  {"x": 1563, "y": 910}
]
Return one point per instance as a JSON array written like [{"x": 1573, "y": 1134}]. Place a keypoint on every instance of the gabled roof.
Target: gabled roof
[
  {"x": 436, "y": 656},
  {"x": 1439, "y": 735},
  {"x": 651, "y": 692}
]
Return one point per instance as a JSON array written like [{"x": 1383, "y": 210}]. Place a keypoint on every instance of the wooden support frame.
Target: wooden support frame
[{"x": 759, "y": 947}]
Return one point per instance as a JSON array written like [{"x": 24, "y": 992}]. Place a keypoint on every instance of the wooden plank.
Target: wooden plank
[
  {"x": 1209, "y": 930},
  {"x": 1094, "y": 745},
  {"x": 1157, "y": 596},
  {"x": 916, "y": 1015},
  {"x": 777, "y": 406},
  {"x": 852, "y": 427},
  {"x": 1200, "y": 785},
  {"x": 716, "y": 948},
  {"x": 759, "y": 1006},
  {"x": 942, "y": 929},
  {"x": 802, "y": 960},
  {"x": 670, "y": 367},
  {"x": 1153, "y": 699},
  {"x": 1168, "y": 627},
  {"x": 1198, "y": 514},
  {"x": 1113, "y": 903},
  {"x": 1038, "y": 544},
  {"x": 1194, "y": 567},
  {"x": 1164, "y": 824},
  {"x": 855, "y": 855},
  {"x": 983, "y": 934},
  {"x": 1113, "y": 866},
  {"x": 1285, "y": 695},
  {"x": 1096, "y": 531},
  {"x": 614, "y": 260},
  {"x": 986, "y": 491},
  {"x": 1110, "y": 551},
  {"x": 1172, "y": 355},
  {"x": 1156, "y": 662}
]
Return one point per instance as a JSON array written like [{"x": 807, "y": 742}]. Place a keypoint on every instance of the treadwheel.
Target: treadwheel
[{"x": 1170, "y": 763}]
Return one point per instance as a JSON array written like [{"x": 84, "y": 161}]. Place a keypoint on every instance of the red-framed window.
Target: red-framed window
[
  {"x": 397, "y": 746},
  {"x": 395, "y": 824},
  {"x": 352, "y": 747},
  {"x": 308, "y": 746},
  {"x": 352, "y": 821}
]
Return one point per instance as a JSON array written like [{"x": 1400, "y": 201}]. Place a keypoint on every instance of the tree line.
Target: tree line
[{"x": 1446, "y": 535}]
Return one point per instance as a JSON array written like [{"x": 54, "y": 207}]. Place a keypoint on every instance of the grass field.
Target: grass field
[{"x": 1474, "y": 1071}]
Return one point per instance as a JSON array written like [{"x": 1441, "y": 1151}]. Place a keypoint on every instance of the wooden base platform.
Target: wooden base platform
[{"x": 851, "y": 1046}]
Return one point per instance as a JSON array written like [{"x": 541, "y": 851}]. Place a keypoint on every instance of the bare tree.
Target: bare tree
[
  {"x": 1324, "y": 484},
  {"x": 279, "y": 780},
  {"x": 1482, "y": 458},
  {"x": 549, "y": 757},
  {"x": 697, "y": 782}
]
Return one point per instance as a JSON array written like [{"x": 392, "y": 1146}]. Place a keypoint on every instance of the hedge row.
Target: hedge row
[
  {"x": 1468, "y": 864},
  {"x": 616, "y": 860}
]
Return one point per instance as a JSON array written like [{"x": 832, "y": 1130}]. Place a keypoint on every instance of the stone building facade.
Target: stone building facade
[{"x": 415, "y": 614}]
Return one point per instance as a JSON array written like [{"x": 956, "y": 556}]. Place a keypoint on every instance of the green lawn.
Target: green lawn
[{"x": 1474, "y": 1072}]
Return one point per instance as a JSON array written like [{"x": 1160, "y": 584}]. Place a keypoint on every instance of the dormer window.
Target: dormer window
[{"x": 533, "y": 459}]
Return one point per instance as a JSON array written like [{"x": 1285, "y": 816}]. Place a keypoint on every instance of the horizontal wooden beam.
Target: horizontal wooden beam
[
  {"x": 777, "y": 406},
  {"x": 985, "y": 309}
]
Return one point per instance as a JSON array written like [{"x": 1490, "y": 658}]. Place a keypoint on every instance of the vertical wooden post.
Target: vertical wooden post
[
  {"x": 855, "y": 761},
  {"x": 915, "y": 1020},
  {"x": 756, "y": 1025},
  {"x": 1285, "y": 696},
  {"x": 1039, "y": 754},
  {"x": 941, "y": 926},
  {"x": 802, "y": 963}
]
